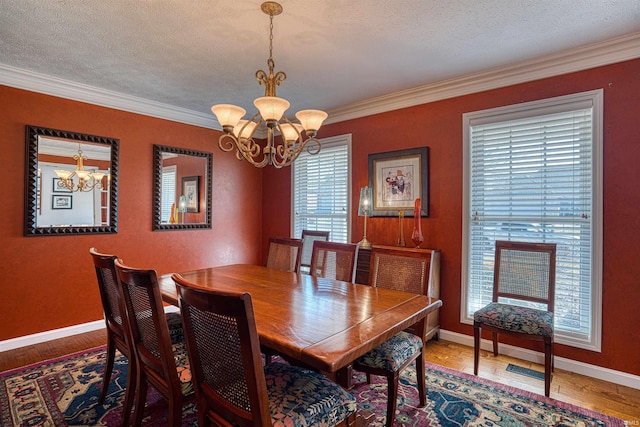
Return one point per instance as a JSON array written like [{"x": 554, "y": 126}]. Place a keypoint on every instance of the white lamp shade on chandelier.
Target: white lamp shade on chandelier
[{"x": 238, "y": 132}]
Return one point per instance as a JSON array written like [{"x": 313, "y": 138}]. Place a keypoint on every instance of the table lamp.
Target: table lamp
[
  {"x": 182, "y": 206},
  {"x": 364, "y": 209}
]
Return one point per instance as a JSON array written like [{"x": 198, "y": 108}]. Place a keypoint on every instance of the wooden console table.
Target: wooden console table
[{"x": 361, "y": 276}]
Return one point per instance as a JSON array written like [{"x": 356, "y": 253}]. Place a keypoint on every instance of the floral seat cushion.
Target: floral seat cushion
[
  {"x": 300, "y": 397},
  {"x": 183, "y": 368},
  {"x": 516, "y": 319},
  {"x": 391, "y": 354}
]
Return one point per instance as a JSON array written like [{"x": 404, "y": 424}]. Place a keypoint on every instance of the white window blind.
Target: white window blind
[
  {"x": 532, "y": 175},
  {"x": 168, "y": 196},
  {"x": 321, "y": 188}
]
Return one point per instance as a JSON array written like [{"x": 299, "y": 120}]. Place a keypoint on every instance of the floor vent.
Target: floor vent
[{"x": 526, "y": 371}]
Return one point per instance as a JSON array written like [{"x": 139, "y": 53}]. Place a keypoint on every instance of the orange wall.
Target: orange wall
[
  {"x": 48, "y": 282},
  {"x": 438, "y": 125}
]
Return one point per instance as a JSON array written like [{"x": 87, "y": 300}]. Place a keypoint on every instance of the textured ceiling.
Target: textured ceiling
[{"x": 193, "y": 53}]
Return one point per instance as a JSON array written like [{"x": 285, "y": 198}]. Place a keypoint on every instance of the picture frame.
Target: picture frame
[
  {"x": 57, "y": 188},
  {"x": 397, "y": 178},
  {"x": 59, "y": 201},
  {"x": 191, "y": 191}
]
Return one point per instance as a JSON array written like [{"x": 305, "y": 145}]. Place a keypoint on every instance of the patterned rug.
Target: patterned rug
[{"x": 64, "y": 392}]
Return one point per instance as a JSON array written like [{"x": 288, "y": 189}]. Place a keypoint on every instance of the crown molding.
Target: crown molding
[
  {"x": 590, "y": 56},
  {"x": 41, "y": 83},
  {"x": 608, "y": 52}
]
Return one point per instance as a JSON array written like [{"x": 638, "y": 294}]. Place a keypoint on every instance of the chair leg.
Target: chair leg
[
  {"x": 130, "y": 390},
  {"x": 495, "y": 343},
  {"x": 476, "y": 348},
  {"x": 368, "y": 378},
  {"x": 548, "y": 356},
  {"x": 106, "y": 379},
  {"x": 422, "y": 383},
  {"x": 141, "y": 397},
  {"x": 175, "y": 411},
  {"x": 392, "y": 388}
]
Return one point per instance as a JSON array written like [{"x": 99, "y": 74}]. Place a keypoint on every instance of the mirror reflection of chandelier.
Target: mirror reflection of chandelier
[
  {"x": 86, "y": 181},
  {"x": 239, "y": 133}
]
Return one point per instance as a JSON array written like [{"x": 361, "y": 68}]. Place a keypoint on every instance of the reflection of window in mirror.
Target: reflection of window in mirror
[{"x": 168, "y": 195}]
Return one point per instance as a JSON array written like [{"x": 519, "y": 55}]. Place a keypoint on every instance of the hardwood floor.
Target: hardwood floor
[{"x": 601, "y": 396}]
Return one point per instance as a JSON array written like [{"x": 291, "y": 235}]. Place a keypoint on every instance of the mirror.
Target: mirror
[
  {"x": 181, "y": 188},
  {"x": 71, "y": 183}
]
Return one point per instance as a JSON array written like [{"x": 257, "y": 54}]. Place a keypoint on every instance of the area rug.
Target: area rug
[{"x": 64, "y": 392}]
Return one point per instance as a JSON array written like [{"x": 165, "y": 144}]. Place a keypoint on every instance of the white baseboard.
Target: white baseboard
[
  {"x": 55, "y": 334},
  {"x": 605, "y": 374}
]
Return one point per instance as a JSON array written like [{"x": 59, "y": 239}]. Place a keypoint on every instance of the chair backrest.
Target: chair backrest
[
  {"x": 284, "y": 253},
  {"x": 149, "y": 331},
  {"x": 525, "y": 272},
  {"x": 112, "y": 304},
  {"x": 333, "y": 260},
  {"x": 224, "y": 353},
  {"x": 401, "y": 269},
  {"x": 308, "y": 238}
]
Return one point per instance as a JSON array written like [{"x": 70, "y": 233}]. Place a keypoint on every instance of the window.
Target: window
[
  {"x": 321, "y": 190},
  {"x": 168, "y": 196},
  {"x": 533, "y": 173}
]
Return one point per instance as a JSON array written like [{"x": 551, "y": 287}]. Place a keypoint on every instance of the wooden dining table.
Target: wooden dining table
[{"x": 321, "y": 323}]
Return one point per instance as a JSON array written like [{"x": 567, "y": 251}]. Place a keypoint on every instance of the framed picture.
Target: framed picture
[
  {"x": 61, "y": 202},
  {"x": 59, "y": 187},
  {"x": 397, "y": 179},
  {"x": 191, "y": 191}
]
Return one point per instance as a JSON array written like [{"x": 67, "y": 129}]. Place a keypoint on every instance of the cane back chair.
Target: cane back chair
[
  {"x": 159, "y": 362},
  {"x": 333, "y": 260},
  {"x": 309, "y": 237},
  {"x": 523, "y": 279},
  {"x": 232, "y": 386},
  {"x": 404, "y": 270},
  {"x": 284, "y": 253}
]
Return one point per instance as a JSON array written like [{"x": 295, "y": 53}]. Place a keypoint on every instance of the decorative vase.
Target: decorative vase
[
  {"x": 416, "y": 236},
  {"x": 401, "y": 241},
  {"x": 172, "y": 217}
]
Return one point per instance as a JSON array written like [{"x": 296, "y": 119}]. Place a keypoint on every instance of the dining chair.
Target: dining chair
[
  {"x": 284, "y": 253},
  {"x": 406, "y": 270},
  {"x": 523, "y": 299},
  {"x": 232, "y": 385},
  {"x": 118, "y": 338},
  {"x": 117, "y": 335},
  {"x": 159, "y": 362},
  {"x": 308, "y": 238},
  {"x": 333, "y": 260}
]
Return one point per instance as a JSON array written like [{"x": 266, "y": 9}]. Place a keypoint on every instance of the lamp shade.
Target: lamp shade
[
  {"x": 244, "y": 129},
  {"x": 271, "y": 107},
  {"x": 182, "y": 204},
  {"x": 227, "y": 114},
  {"x": 366, "y": 202},
  {"x": 290, "y": 132},
  {"x": 311, "y": 119},
  {"x": 83, "y": 174},
  {"x": 63, "y": 174}
]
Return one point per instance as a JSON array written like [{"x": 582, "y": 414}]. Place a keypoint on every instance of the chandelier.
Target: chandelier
[
  {"x": 87, "y": 181},
  {"x": 238, "y": 133}
]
